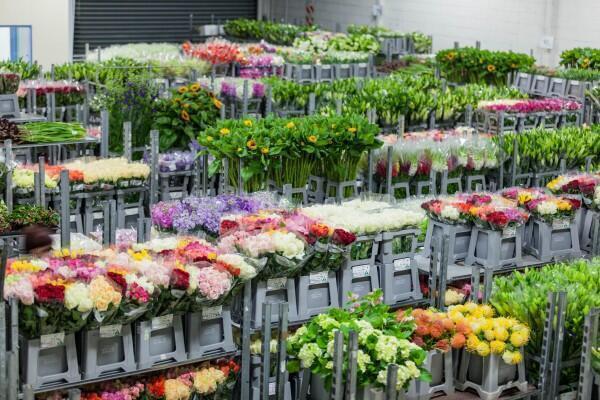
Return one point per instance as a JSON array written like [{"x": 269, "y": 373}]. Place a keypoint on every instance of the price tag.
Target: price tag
[
  {"x": 53, "y": 340},
  {"x": 561, "y": 224},
  {"x": 272, "y": 388},
  {"x": 508, "y": 232},
  {"x": 361, "y": 271},
  {"x": 401, "y": 264},
  {"x": 276, "y": 283},
  {"x": 162, "y": 322},
  {"x": 316, "y": 278},
  {"x": 108, "y": 331},
  {"x": 212, "y": 312}
]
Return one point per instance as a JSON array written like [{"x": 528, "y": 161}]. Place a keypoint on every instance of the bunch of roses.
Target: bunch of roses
[
  {"x": 549, "y": 208},
  {"x": 502, "y": 336},
  {"x": 521, "y": 195},
  {"x": 436, "y": 331},
  {"x": 448, "y": 211},
  {"x": 581, "y": 184},
  {"x": 498, "y": 218}
]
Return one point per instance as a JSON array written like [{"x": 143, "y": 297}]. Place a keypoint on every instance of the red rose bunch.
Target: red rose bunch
[
  {"x": 119, "y": 279},
  {"x": 227, "y": 226},
  {"x": 49, "y": 293},
  {"x": 342, "y": 237},
  {"x": 180, "y": 279}
]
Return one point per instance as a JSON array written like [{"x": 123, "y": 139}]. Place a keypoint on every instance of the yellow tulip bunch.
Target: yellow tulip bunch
[{"x": 489, "y": 334}]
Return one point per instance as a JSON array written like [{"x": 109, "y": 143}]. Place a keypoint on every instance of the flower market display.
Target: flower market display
[
  {"x": 530, "y": 105},
  {"x": 25, "y": 215},
  {"x": 283, "y": 34}
]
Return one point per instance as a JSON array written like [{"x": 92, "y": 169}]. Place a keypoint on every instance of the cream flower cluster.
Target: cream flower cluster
[
  {"x": 103, "y": 294},
  {"x": 280, "y": 242},
  {"x": 110, "y": 170},
  {"x": 207, "y": 380},
  {"x": 406, "y": 372},
  {"x": 597, "y": 197},
  {"x": 365, "y": 217},
  {"x": 77, "y": 297},
  {"x": 23, "y": 179}
]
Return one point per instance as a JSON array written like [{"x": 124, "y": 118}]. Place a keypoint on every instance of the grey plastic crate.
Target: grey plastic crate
[
  {"x": 324, "y": 73},
  {"x": 473, "y": 181},
  {"x": 576, "y": 89},
  {"x": 585, "y": 233},
  {"x": 529, "y": 121},
  {"x": 539, "y": 85},
  {"x": 288, "y": 192},
  {"x": 495, "y": 249},
  {"x": 546, "y": 242},
  {"x": 302, "y": 73},
  {"x": 319, "y": 392},
  {"x": 523, "y": 82},
  {"x": 49, "y": 360},
  {"x": 550, "y": 120},
  {"x": 459, "y": 237},
  {"x": 275, "y": 291},
  {"x": 316, "y": 293},
  {"x": 357, "y": 279},
  {"x": 499, "y": 123},
  {"x": 447, "y": 181},
  {"x": 400, "y": 281},
  {"x": 361, "y": 70},
  {"x": 343, "y": 71},
  {"x": 408, "y": 239},
  {"x": 316, "y": 189},
  {"x": 160, "y": 341},
  {"x": 489, "y": 376},
  {"x": 442, "y": 380},
  {"x": 557, "y": 87},
  {"x": 107, "y": 350},
  {"x": 337, "y": 190},
  {"x": 209, "y": 332}
]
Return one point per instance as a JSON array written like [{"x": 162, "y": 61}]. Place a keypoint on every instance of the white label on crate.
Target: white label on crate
[
  {"x": 276, "y": 283},
  {"x": 212, "y": 312},
  {"x": 108, "y": 331},
  {"x": 508, "y": 232},
  {"x": 172, "y": 167},
  {"x": 162, "y": 322},
  {"x": 401, "y": 264},
  {"x": 53, "y": 340},
  {"x": 272, "y": 388},
  {"x": 561, "y": 224},
  {"x": 316, "y": 278},
  {"x": 163, "y": 357},
  {"x": 361, "y": 271}
]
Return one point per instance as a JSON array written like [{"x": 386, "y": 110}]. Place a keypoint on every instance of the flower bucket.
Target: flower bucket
[
  {"x": 107, "y": 350},
  {"x": 274, "y": 291},
  {"x": 458, "y": 235},
  {"x": 441, "y": 368},
  {"x": 316, "y": 293},
  {"x": 495, "y": 249},
  {"x": 209, "y": 332},
  {"x": 585, "y": 236},
  {"x": 359, "y": 273},
  {"x": 49, "y": 360},
  {"x": 160, "y": 341},
  {"x": 557, "y": 240},
  {"x": 319, "y": 392},
  {"x": 490, "y": 376}
]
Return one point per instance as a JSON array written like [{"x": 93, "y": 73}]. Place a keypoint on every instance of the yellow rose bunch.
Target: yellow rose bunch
[
  {"x": 207, "y": 380},
  {"x": 489, "y": 334},
  {"x": 176, "y": 389},
  {"x": 103, "y": 294}
]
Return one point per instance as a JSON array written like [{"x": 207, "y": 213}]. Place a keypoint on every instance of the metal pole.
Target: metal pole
[
  {"x": 127, "y": 145},
  {"x": 391, "y": 392},
  {"x": 311, "y": 103},
  {"x": 42, "y": 177},
  {"x": 350, "y": 392},
  {"x": 443, "y": 272},
  {"x": 246, "y": 328},
  {"x": 282, "y": 350},
  {"x": 265, "y": 368},
  {"x": 370, "y": 171},
  {"x": 104, "y": 124},
  {"x": 389, "y": 171},
  {"x": 8, "y": 197},
  {"x": 245, "y": 99},
  {"x": 558, "y": 343},
  {"x": 153, "y": 165},
  {"x": 13, "y": 370},
  {"x": 65, "y": 215},
  {"x": 337, "y": 391}
]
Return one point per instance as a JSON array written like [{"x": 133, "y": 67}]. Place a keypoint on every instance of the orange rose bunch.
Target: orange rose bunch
[{"x": 436, "y": 331}]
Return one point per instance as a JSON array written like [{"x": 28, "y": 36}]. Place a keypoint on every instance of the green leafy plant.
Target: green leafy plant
[
  {"x": 523, "y": 295},
  {"x": 382, "y": 340},
  {"x": 282, "y": 34},
  {"x": 471, "y": 65},
  {"x": 581, "y": 58},
  {"x": 181, "y": 118}
]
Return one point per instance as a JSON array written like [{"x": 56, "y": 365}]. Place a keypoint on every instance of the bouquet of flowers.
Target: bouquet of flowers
[
  {"x": 491, "y": 335},
  {"x": 530, "y": 105},
  {"x": 215, "y": 51},
  {"x": 382, "y": 341},
  {"x": 9, "y": 82},
  {"x": 551, "y": 208},
  {"x": 435, "y": 330},
  {"x": 109, "y": 172},
  {"x": 448, "y": 211},
  {"x": 497, "y": 218},
  {"x": 580, "y": 184}
]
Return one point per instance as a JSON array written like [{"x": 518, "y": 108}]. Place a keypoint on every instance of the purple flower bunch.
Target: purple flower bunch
[
  {"x": 534, "y": 105},
  {"x": 176, "y": 161},
  {"x": 233, "y": 88},
  {"x": 194, "y": 214}
]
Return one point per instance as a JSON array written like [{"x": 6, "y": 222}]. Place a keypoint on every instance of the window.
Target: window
[{"x": 15, "y": 42}]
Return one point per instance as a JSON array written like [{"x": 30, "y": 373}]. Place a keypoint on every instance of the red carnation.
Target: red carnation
[
  {"x": 119, "y": 280},
  {"x": 47, "y": 293},
  {"x": 587, "y": 188},
  {"x": 180, "y": 279},
  {"x": 343, "y": 237},
  {"x": 227, "y": 226}
]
